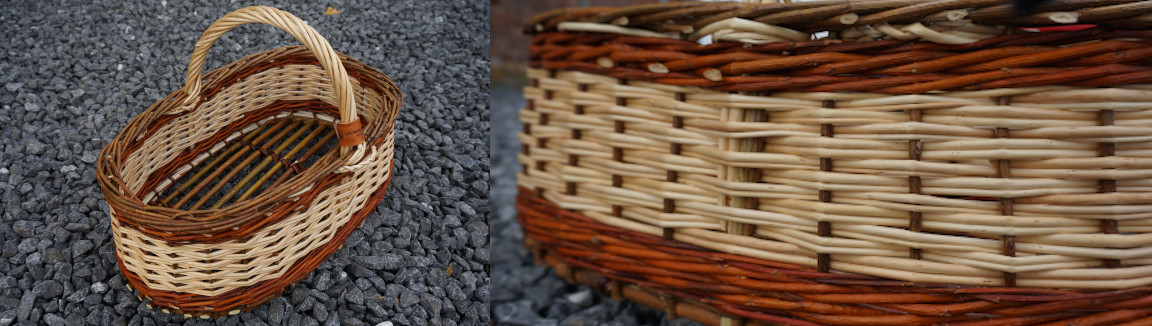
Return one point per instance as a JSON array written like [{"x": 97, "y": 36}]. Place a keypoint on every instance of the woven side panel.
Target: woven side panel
[
  {"x": 216, "y": 268},
  {"x": 913, "y": 185},
  {"x": 176, "y": 225}
]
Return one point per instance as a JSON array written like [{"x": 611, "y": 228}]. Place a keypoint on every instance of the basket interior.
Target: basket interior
[{"x": 262, "y": 157}]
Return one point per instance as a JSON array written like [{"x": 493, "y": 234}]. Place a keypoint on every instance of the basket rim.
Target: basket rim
[{"x": 812, "y": 15}]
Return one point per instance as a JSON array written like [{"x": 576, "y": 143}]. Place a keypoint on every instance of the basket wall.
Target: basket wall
[
  {"x": 924, "y": 163},
  {"x": 907, "y": 187}
]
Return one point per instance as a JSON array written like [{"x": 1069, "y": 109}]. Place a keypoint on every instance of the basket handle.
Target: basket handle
[{"x": 348, "y": 129}]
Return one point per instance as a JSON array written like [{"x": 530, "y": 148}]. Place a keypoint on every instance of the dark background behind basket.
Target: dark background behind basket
[
  {"x": 73, "y": 72},
  {"x": 526, "y": 294}
]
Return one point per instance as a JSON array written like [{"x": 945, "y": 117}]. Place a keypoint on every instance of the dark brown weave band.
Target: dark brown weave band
[{"x": 736, "y": 286}]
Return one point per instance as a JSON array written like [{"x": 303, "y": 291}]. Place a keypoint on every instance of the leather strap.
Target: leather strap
[{"x": 350, "y": 134}]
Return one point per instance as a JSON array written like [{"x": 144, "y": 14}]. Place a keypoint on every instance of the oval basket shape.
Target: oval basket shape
[
  {"x": 237, "y": 186},
  {"x": 922, "y": 162}
]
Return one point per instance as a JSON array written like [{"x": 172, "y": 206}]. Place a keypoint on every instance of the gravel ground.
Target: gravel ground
[
  {"x": 73, "y": 72},
  {"x": 528, "y": 294}
]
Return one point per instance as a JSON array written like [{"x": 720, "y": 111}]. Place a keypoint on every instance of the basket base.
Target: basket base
[
  {"x": 674, "y": 306},
  {"x": 247, "y": 298},
  {"x": 717, "y": 288},
  {"x": 251, "y": 159}
]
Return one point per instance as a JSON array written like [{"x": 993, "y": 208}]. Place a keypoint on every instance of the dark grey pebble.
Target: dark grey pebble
[
  {"x": 354, "y": 295},
  {"x": 54, "y": 320}
]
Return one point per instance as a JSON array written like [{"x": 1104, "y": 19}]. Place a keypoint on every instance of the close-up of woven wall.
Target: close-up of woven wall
[{"x": 844, "y": 162}]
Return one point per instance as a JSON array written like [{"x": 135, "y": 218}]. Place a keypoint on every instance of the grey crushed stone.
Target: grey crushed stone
[
  {"x": 75, "y": 72},
  {"x": 54, "y": 320},
  {"x": 7, "y": 317}
]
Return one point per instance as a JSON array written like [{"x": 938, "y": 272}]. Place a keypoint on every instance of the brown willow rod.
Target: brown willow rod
[
  {"x": 250, "y": 156},
  {"x": 265, "y": 130},
  {"x": 260, "y": 167},
  {"x": 276, "y": 167},
  {"x": 316, "y": 147}
]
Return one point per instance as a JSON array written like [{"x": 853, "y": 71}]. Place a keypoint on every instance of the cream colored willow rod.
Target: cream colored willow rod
[
  {"x": 1057, "y": 211},
  {"x": 333, "y": 68}
]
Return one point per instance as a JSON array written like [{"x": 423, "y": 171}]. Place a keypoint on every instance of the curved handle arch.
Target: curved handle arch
[{"x": 329, "y": 60}]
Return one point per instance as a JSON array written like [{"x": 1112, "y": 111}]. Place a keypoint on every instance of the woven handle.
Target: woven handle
[{"x": 348, "y": 128}]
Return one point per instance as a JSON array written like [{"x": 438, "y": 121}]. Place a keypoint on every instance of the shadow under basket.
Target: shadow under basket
[
  {"x": 846, "y": 162},
  {"x": 227, "y": 192}
]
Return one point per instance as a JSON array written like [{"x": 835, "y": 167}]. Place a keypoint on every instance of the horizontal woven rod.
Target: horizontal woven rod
[
  {"x": 641, "y": 10},
  {"x": 682, "y": 308},
  {"x": 555, "y": 234},
  {"x": 801, "y": 15},
  {"x": 1055, "y": 172},
  {"x": 936, "y": 69},
  {"x": 1007, "y": 10}
]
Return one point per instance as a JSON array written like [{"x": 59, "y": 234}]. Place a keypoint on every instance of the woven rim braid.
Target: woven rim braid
[
  {"x": 847, "y": 162},
  {"x": 212, "y": 262}
]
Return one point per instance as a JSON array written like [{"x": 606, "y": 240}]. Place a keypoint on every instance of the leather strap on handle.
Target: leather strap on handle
[
  {"x": 350, "y": 134},
  {"x": 345, "y": 101}
]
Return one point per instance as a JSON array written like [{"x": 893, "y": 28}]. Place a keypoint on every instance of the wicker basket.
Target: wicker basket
[
  {"x": 223, "y": 195},
  {"x": 926, "y": 162}
]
